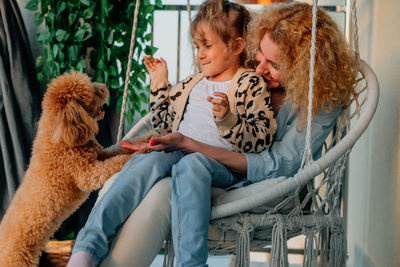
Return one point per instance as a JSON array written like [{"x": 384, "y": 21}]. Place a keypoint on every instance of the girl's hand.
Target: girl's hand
[
  {"x": 134, "y": 146},
  {"x": 170, "y": 142},
  {"x": 155, "y": 65},
  {"x": 220, "y": 105}
]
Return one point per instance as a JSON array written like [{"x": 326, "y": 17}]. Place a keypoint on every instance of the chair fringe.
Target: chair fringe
[
  {"x": 243, "y": 243},
  {"x": 279, "y": 251},
  {"x": 338, "y": 247},
  {"x": 310, "y": 249},
  {"x": 169, "y": 252},
  {"x": 323, "y": 246}
]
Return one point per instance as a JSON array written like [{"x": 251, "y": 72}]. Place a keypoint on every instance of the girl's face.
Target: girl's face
[
  {"x": 217, "y": 61},
  {"x": 268, "y": 63}
]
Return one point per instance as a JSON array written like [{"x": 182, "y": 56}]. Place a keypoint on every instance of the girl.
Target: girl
[
  {"x": 281, "y": 38},
  {"x": 243, "y": 121}
]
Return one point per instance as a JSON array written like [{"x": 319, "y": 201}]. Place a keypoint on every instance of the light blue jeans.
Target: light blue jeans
[{"x": 192, "y": 178}]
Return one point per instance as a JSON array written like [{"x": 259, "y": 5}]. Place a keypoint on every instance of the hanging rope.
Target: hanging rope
[
  {"x": 128, "y": 71},
  {"x": 190, "y": 21},
  {"x": 307, "y": 157},
  {"x": 355, "y": 32}
]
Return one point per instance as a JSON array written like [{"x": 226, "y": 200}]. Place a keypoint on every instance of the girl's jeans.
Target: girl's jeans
[{"x": 192, "y": 178}]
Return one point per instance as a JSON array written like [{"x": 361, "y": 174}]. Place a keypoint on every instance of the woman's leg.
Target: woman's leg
[
  {"x": 192, "y": 178},
  {"x": 140, "y": 239},
  {"x": 135, "y": 180}
]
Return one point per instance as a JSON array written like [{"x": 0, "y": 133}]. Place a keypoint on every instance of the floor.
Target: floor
[{"x": 256, "y": 260}]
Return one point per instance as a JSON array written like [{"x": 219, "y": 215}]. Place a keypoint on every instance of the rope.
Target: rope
[
  {"x": 279, "y": 252},
  {"x": 243, "y": 243},
  {"x": 128, "y": 71},
  {"x": 355, "y": 32},
  {"x": 190, "y": 21},
  {"x": 307, "y": 157}
]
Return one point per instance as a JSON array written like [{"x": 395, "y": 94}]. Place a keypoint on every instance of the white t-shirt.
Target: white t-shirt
[{"x": 198, "y": 120}]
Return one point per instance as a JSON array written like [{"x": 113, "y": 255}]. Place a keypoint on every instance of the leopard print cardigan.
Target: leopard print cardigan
[{"x": 250, "y": 124}]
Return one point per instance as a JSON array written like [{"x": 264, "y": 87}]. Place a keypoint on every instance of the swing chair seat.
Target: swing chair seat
[{"x": 270, "y": 211}]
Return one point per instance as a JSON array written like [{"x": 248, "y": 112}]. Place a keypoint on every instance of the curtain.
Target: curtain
[{"x": 19, "y": 101}]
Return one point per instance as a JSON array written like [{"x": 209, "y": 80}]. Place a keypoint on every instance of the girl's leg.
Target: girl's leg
[
  {"x": 192, "y": 178},
  {"x": 135, "y": 180}
]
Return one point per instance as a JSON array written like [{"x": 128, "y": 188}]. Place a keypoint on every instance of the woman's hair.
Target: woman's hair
[
  {"x": 289, "y": 26},
  {"x": 228, "y": 20}
]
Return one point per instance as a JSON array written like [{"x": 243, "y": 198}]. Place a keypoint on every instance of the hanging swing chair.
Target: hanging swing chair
[{"x": 272, "y": 211}]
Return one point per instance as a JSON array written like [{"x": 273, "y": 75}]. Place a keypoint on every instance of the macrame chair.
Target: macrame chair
[{"x": 272, "y": 211}]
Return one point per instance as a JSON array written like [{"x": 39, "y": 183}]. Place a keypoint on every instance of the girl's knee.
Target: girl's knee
[
  {"x": 195, "y": 159},
  {"x": 193, "y": 166}
]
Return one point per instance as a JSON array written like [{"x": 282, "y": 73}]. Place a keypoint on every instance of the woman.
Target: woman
[{"x": 281, "y": 36}]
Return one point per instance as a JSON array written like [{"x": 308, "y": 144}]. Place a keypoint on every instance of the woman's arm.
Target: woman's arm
[{"x": 234, "y": 161}]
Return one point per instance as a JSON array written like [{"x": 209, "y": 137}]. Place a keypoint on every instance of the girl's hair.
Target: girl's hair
[
  {"x": 289, "y": 26},
  {"x": 228, "y": 20}
]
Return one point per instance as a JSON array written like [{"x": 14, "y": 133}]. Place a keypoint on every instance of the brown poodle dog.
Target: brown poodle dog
[{"x": 67, "y": 163}]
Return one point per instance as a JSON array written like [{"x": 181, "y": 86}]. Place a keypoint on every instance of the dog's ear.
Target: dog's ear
[{"x": 73, "y": 125}]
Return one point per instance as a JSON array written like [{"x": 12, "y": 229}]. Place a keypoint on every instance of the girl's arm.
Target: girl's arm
[
  {"x": 160, "y": 105},
  {"x": 234, "y": 161},
  {"x": 251, "y": 129}
]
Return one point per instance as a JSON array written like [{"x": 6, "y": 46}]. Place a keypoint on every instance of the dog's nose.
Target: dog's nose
[{"x": 101, "y": 87}]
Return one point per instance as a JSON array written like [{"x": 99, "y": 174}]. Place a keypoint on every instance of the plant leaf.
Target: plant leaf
[
  {"x": 81, "y": 65},
  {"x": 39, "y": 61},
  {"x": 55, "y": 50},
  {"x": 71, "y": 18},
  {"x": 60, "y": 35},
  {"x": 79, "y": 35},
  {"x": 73, "y": 52},
  {"x": 85, "y": 2},
  {"x": 32, "y": 5},
  {"x": 159, "y": 4},
  {"x": 61, "y": 6},
  {"x": 44, "y": 35},
  {"x": 88, "y": 13},
  {"x": 38, "y": 19}
]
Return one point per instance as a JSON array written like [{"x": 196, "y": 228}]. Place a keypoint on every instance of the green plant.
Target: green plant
[{"x": 93, "y": 36}]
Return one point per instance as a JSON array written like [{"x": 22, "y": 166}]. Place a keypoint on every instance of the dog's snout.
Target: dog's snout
[{"x": 101, "y": 89}]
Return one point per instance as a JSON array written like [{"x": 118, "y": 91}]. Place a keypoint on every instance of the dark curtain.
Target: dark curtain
[{"x": 19, "y": 101}]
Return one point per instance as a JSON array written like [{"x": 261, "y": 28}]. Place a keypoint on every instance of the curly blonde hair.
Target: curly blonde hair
[
  {"x": 289, "y": 26},
  {"x": 228, "y": 20}
]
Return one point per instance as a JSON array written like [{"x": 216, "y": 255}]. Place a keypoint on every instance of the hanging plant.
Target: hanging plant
[{"x": 93, "y": 36}]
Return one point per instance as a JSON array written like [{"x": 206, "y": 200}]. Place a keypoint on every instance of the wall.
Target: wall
[{"x": 373, "y": 210}]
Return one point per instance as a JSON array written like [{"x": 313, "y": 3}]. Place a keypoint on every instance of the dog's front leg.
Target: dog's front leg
[{"x": 100, "y": 171}]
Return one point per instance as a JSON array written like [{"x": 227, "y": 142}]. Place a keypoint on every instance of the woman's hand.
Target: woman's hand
[
  {"x": 155, "y": 65},
  {"x": 171, "y": 142},
  {"x": 234, "y": 161},
  {"x": 220, "y": 105}
]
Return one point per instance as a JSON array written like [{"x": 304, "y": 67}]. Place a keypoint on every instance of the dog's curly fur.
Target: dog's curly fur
[{"x": 67, "y": 163}]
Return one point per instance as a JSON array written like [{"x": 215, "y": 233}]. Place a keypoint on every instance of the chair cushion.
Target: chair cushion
[{"x": 220, "y": 196}]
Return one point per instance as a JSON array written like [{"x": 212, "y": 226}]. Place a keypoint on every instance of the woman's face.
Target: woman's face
[{"x": 268, "y": 64}]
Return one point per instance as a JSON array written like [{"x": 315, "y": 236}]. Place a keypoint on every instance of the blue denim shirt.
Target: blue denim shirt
[{"x": 284, "y": 156}]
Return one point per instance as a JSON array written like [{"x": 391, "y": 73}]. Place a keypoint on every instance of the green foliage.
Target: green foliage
[{"x": 93, "y": 36}]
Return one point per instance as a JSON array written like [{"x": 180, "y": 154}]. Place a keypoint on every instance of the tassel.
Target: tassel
[
  {"x": 168, "y": 253},
  {"x": 323, "y": 247},
  {"x": 338, "y": 250},
  {"x": 310, "y": 251},
  {"x": 243, "y": 244},
  {"x": 279, "y": 253}
]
